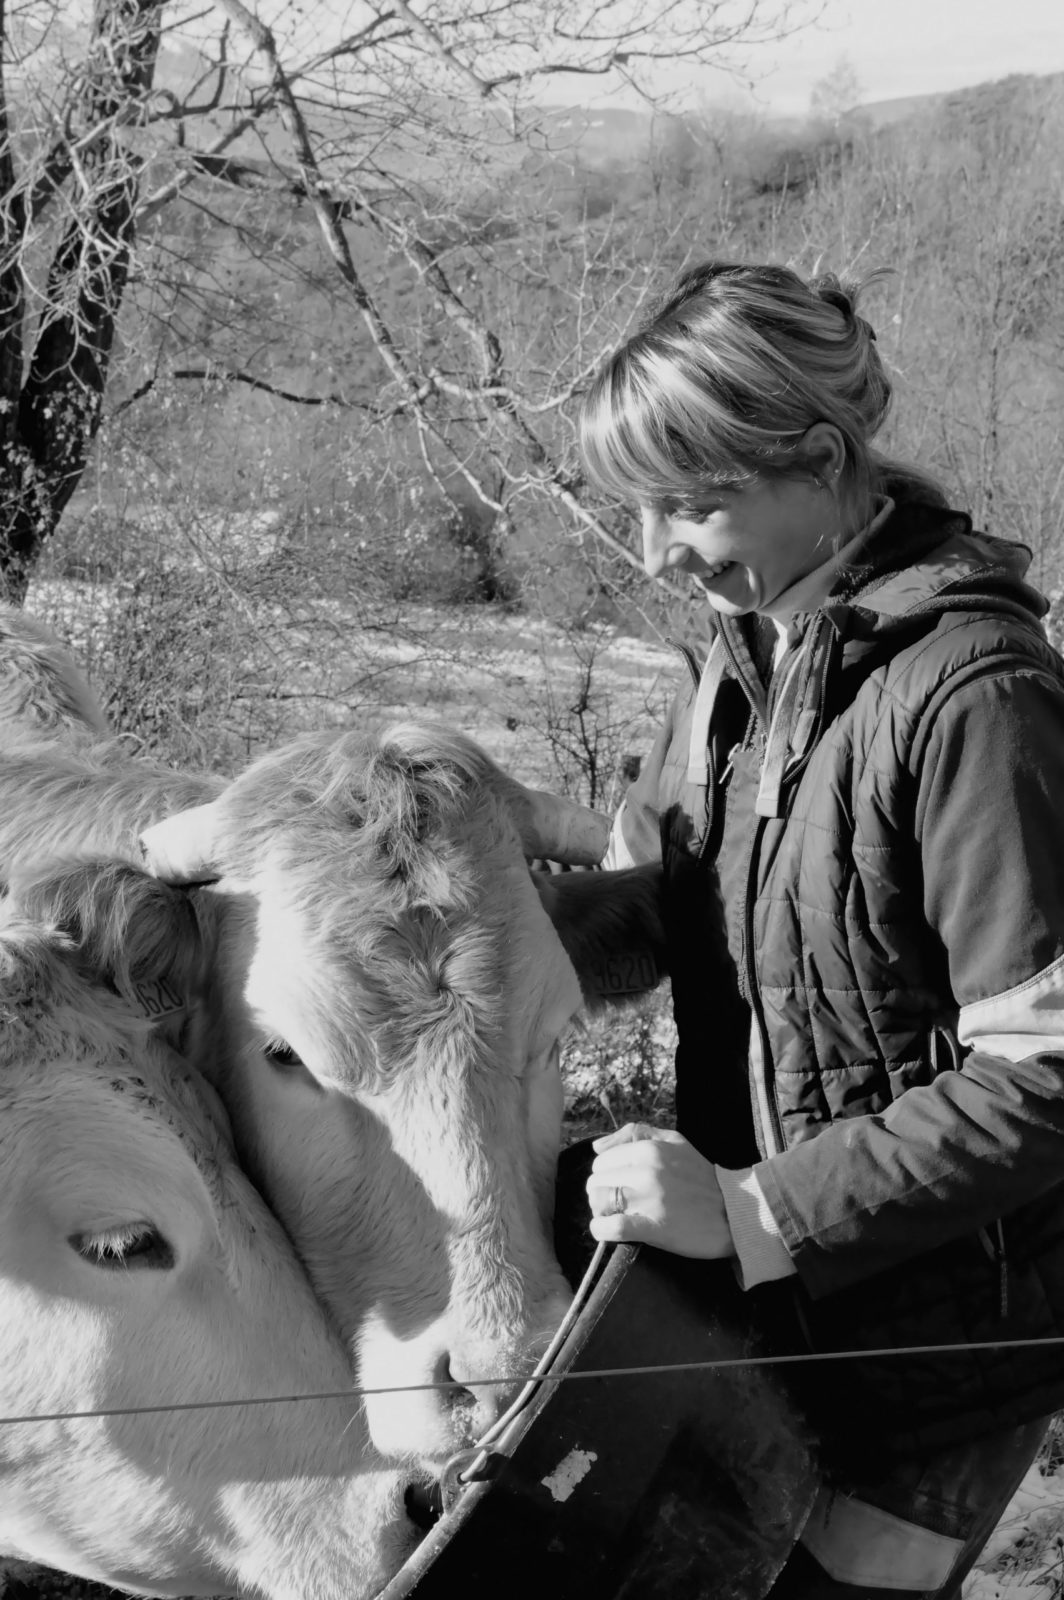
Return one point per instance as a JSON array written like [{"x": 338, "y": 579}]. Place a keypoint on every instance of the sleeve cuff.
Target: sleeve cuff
[
  {"x": 617, "y": 851},
  {"x": 762, "y": 1254}
]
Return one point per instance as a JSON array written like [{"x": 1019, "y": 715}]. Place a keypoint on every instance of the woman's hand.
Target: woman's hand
[{"x": 650, "y": 1185}]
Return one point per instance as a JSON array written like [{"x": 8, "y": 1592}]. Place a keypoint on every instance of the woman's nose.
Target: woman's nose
[{"x": 661, "y": 548}]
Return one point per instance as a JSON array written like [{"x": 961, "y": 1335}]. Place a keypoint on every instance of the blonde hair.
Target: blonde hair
[{"x": 724, "y": 378}]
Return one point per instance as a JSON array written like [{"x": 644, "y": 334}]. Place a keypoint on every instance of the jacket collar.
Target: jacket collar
[
  {"x": 901, "y": 574},
  {"x": 905, "y": 568}
]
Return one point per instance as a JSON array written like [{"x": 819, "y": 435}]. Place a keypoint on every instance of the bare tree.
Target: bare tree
[
  {"x": 67, "y": 224},
  {"x": 963, "y": 203},
  {"x": 405, "y": 136}
]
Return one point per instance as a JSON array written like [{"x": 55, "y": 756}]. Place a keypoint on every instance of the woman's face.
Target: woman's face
[{"x": 745, "y": 545}]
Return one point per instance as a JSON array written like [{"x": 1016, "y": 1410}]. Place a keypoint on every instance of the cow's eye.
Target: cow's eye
[
  {"x": 280, "y": 1054},
  {"x": 129, "y": 1246}
]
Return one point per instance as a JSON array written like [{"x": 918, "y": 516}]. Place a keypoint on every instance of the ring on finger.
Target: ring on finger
[{"x": 618, "y": 1204}]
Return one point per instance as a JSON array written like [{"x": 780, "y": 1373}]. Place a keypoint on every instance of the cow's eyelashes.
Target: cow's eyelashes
[
  {"x": 281, "y": 1054},
  {"x": 128, "y": 1246}
]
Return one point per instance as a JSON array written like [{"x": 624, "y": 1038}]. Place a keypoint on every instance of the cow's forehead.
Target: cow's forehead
[
  {"x": 350, "y": 973},
  {"x": 128, "y": 1072}
]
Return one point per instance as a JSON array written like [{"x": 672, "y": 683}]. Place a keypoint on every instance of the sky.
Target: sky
[{"x": 908, "y": 47}]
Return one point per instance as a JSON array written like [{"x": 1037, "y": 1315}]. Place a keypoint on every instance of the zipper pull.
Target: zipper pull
[
  {"x": 995, "y": 1249},
  {"x": 729, "y": 767}
]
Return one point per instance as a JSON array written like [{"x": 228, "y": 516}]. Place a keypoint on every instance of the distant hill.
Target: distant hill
[
  {"x": 885, "y": 113},
  {"x": 608, "y": 136},
  {"x": 605, "y": 135}
]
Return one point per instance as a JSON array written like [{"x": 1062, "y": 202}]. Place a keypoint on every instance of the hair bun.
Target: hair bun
[
  {"x": 830, "y": 290},
  {"x": 844, "y": 298}
]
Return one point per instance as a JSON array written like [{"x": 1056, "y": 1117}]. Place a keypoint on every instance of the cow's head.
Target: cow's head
[
  {"x": 139, "y": 1268},
  {"x": 394, "y": 1077}
]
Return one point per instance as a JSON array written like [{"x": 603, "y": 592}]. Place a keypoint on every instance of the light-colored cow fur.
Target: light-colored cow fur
[
  {"x": 381, "y": 1018},
  {"x": 139, "y": 1267},
  {"x": 40, "y": 686},
  {"x": 408, "y": 984},
  {"x": 388, "y": 1000}
]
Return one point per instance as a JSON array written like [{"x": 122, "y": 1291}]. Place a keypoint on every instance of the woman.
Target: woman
[{"x": 858, "y": 800}]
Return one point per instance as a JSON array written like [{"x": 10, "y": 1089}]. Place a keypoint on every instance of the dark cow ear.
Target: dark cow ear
[
  {"x": 610, "y": 924},
  {"x": 127, "y": 927}
]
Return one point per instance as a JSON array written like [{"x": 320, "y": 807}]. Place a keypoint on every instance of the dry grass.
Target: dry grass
[{"x": 1024, "y": 1558}]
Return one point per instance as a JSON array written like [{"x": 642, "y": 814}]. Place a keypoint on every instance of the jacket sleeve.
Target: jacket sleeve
[{"x": 978, "y": 1142}]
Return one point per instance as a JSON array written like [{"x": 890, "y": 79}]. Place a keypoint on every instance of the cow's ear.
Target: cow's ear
[
  {"x": 554, "y": 828},
  {"x": 184, "y": 848},
  {"x": 136, "y": 933},
  {"x": 611, "y": 926},
  {"x": 20, "y": 968}
]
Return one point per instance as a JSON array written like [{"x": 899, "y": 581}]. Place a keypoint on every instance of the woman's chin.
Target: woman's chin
[
  {"x": 736, "y": 604},
  {"x": 730, "y": 592}
]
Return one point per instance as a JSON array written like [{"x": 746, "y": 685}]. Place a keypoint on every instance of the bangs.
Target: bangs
[{"x": 650, "y": 436}]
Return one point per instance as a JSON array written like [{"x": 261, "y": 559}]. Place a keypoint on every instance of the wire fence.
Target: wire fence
[{"x": 506, "y": 1380}]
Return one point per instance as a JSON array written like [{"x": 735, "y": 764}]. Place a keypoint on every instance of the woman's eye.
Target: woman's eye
[{"x": 693, "y": 515}]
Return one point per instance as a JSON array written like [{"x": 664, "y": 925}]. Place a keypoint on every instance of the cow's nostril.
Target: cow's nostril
[
  {"x": 456, "y": 1396},
  {"x": 473, "y": 1405},
  {"x": 424, "y": 1504}
]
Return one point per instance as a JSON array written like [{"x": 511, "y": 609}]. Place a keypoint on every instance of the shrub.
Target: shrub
[{"x": 618, "y": 1069}]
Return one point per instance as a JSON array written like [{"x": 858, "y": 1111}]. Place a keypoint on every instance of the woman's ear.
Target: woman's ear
[{"x": 823, "y": 451}]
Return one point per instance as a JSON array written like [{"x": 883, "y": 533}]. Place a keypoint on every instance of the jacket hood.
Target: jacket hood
[{"x": 924, "y": 561}]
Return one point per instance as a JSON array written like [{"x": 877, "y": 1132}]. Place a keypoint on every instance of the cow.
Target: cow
[
  {"x": 140, "y": 1268},
  {"x": 387, "y": 1000}
]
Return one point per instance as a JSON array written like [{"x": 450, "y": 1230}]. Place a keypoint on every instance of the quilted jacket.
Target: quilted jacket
[{"x": 864, "y": 851}]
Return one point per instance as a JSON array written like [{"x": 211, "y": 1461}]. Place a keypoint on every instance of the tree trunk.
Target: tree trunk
[{"x": 50, "y": 416}]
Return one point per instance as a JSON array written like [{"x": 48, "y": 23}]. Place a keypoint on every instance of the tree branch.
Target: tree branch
[
  {"x": 437, "y": 46},
  {"x": 329, "y": 224},
  {"x": 212, "y": 374}
]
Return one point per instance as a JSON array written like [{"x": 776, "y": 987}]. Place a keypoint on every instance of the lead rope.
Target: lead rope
[{"x": 464, "y": 1468}]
